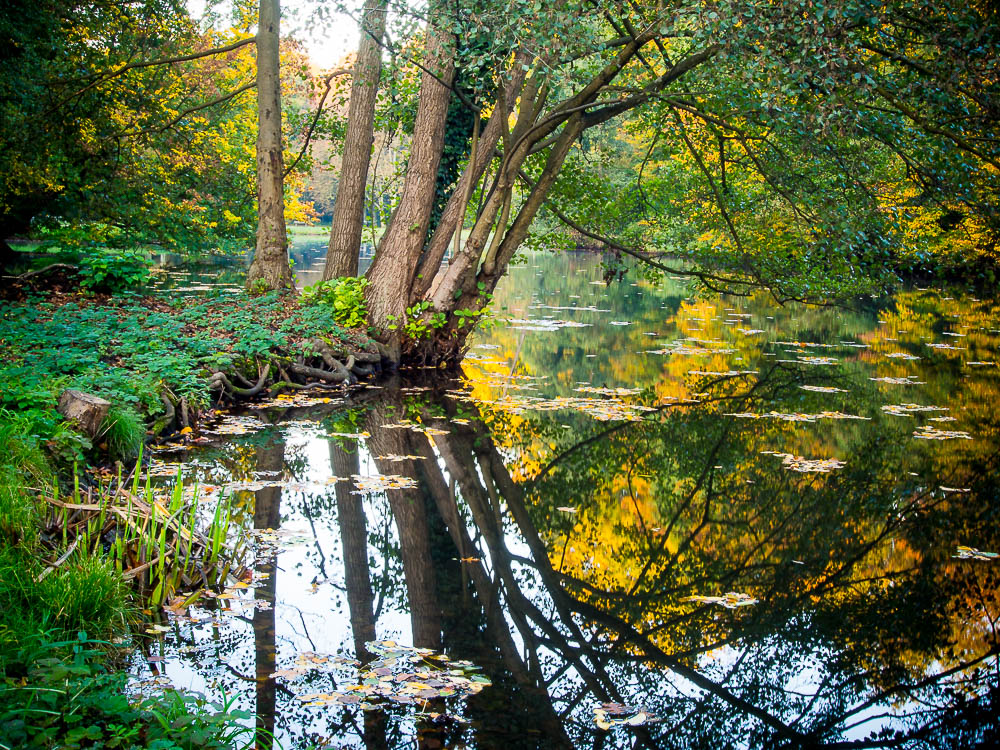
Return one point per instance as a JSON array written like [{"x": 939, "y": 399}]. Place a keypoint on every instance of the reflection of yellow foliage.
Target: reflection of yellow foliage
[{"x": 617, "y": 549}]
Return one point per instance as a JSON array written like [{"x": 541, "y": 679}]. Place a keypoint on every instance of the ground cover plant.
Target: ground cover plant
[
  {"x": 162, "y": 359},
  {"x": 69, "y": 699}
]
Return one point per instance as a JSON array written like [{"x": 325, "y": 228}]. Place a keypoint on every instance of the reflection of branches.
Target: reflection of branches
[{"x": 473, "y": 460}]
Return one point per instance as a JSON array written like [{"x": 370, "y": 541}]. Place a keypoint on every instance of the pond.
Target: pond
[{"x": 640, "y": 519}]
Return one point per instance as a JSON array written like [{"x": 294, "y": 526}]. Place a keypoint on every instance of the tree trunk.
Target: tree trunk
[
  {"x": 391, "y": 274},
  {"x": 269, "y": 269},
  {"x": 349, "y": 207},
  {"x": 454, "y": 210},
  {"x": 85, "y": 410},
  {"x": 465, "y": 288}
]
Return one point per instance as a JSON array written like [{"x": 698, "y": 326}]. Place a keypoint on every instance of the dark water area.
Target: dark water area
[{"x": 640, "y": 519}]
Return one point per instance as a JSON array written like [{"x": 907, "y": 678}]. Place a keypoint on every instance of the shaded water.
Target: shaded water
[{"x": 563, "y": 516}]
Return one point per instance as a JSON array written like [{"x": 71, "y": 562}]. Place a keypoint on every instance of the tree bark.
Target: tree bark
[
  {"x": 349, "y": 206},
  {"x": 392, "y": 272},
  {"x": 454, "y": 209},
  {"x": 269, "y": 269}
]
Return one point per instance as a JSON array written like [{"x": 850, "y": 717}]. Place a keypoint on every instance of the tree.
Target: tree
[
  {"x": 130, "y": 129},
  {"x": 795, "y": 115},
  {"x": 348, "y": 210},
  {"x": 270, "y": 268}
]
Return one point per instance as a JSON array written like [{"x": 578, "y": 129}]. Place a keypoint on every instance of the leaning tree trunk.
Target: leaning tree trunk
[
  {"x": 349, "y": 207},
  {"x": 391, "y": 274},
  {"x": 269, "y": 269}
]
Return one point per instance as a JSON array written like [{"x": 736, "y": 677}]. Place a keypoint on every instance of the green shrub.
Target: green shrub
[
  {"x": 104, "y": 270},
  {"x": 345, "y": 295},
  {"x": 67, "y": 700}
]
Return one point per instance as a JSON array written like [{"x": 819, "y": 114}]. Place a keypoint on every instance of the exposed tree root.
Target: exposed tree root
[
  {"x": 163, "y": 422},
  {"x": 51, "y": 268},
  {"x": 219, "y": 378},
  {"x": 339, "y": 375},
  {"x": 318, "y": 365},
  {"x": 185, "y": 416}
]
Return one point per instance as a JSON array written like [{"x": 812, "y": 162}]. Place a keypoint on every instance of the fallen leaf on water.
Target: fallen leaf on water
[
  {"x": 971, "y": 553},
  {"x": 730, "y": 600},
  {"x": 607, "y": 715},
  {"x": 926, "y": 432}
]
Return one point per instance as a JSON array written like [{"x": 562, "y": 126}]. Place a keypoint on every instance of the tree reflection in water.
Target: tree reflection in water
[{"x": 867, "y": 633}]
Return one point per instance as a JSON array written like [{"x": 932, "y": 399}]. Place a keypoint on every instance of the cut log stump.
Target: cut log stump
[{"x": 84, "y": 409}]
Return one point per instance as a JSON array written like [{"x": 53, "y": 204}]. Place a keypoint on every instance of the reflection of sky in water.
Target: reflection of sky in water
[{"x": 726, "y": 381}]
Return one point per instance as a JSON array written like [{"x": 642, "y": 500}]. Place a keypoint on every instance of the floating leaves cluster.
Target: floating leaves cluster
[
  {"x": 908, "y": 410},
  {"x": 400, "y": 674},
  {"x": 600, "y": 409},
  {"x": 382, "y": 482},
  {"x": 729, "y": 600},
  {"x": 607, "y": 715},
  {"x": 971, "y": 553},
  {"x": 926, "y": 432},
  {"x": 807, "y": 465},
  {"x": 796, "y": 416}
]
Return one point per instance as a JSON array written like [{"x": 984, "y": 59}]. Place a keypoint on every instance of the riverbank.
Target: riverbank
[
  {"x": 164, "y": 359},
  {"x": 83, "y": 553}
]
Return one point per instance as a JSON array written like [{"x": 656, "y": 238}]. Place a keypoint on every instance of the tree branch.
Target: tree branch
[
  {"x": 102, "y": 77},
  {"x": 181, "y": 115},
  {"x": 319, "y": 111}
]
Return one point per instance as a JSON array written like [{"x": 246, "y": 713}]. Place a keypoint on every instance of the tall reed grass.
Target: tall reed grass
[{"x": 165, "y": 541}]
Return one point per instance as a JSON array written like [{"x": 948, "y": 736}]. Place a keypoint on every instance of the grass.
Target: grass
[
  {"x": 309, "y": 230},
  {"x": 124, "y": 433},
  {"x": 70, "y": 574},
  {"x": 82, "y": 593},
  {"x": 162, "y": 541}
]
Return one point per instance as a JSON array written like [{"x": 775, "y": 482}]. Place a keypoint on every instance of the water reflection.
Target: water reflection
[
  {"x": 555, "y": 519},
  {"x": 306, "y": 250}
]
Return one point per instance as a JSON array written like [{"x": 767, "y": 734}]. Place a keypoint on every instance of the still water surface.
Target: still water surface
[{"x": 716, "y": 521}]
